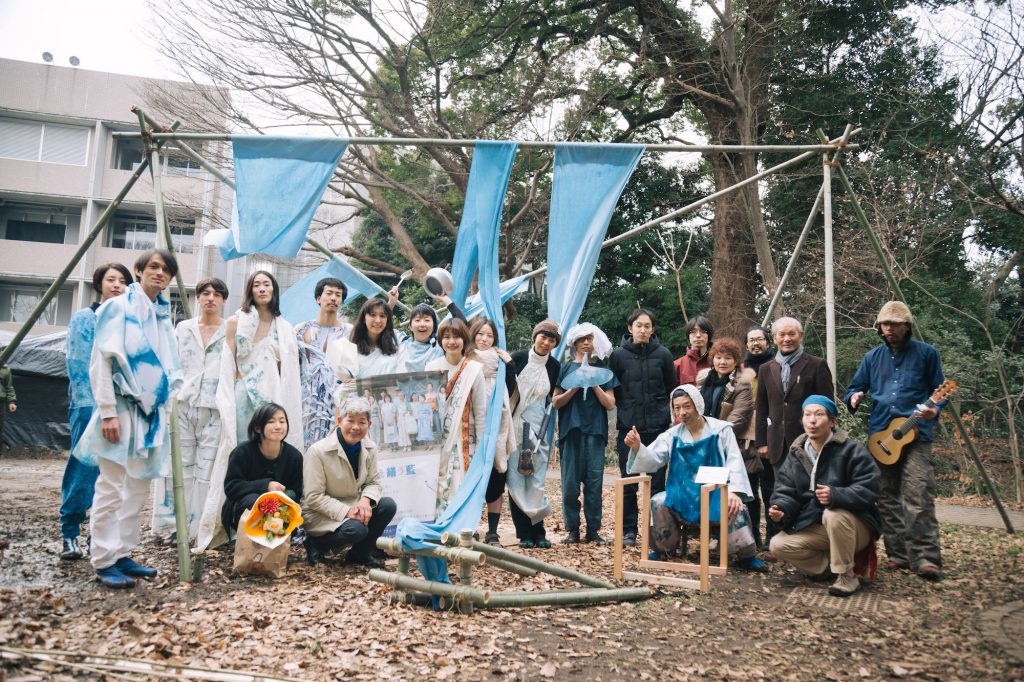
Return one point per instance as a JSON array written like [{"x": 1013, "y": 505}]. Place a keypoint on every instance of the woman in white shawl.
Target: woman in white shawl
[
  {"x": 465, "y": 407},
  {"x": 260, "y": 365},
  {"x": 484, "y": 335}
]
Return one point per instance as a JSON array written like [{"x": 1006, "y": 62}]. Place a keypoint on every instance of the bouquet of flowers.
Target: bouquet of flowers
[{"x": 272, "y": 519}]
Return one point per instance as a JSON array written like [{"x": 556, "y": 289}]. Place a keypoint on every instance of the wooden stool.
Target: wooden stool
[{"x": 703, "y": 569}]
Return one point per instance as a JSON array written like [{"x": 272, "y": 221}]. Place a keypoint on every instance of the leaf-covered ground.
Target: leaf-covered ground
[{"x": 331, "y": 622}]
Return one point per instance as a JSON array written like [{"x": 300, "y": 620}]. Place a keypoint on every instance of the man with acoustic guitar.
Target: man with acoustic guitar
[{"x": 901, "y": 374}]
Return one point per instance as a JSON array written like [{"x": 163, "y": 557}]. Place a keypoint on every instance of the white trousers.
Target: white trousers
[
  {"x": 199, "y": 435},
  {"x": 116, "y": 514}
]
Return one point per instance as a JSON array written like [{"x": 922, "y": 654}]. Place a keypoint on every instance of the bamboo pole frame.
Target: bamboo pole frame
[
  {"x": 703, "y": 569},
  {"x": 525, "y": 144}
]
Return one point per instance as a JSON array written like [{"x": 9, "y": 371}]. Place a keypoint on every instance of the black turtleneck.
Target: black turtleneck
[{"x": 755, "y": 361}]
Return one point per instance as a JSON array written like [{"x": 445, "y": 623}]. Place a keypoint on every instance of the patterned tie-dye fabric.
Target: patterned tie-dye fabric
[{"x": 136, "y": 337}]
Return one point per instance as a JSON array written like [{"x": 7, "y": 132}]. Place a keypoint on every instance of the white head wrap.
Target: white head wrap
[
  {"x": 692, "y": 393},
  {"x": 602, "y": 346}
]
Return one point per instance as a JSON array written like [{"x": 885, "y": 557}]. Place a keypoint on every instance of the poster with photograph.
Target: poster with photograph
[{"x": 406, "y": 413}]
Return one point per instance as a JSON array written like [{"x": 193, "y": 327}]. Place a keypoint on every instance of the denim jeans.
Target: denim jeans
[
  {"x": 361, "y": 537},
  {"x": 582, "y": 463},
  {"x": 79, "y": 482}
]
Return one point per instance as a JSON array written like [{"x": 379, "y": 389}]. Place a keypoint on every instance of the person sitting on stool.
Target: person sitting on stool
[{"x": 343, "y": 503}]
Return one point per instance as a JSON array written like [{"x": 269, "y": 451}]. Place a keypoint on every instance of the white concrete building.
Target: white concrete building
[{"x": 59, "y": 170}]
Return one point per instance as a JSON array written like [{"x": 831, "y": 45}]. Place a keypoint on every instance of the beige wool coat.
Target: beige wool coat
[{"x": 330, "y": 487}]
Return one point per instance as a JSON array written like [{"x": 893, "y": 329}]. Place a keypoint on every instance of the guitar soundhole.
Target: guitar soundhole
[{"x": 897, "y": 434}]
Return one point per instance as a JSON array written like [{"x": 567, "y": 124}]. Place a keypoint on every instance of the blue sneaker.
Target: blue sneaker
[
  {"x": 657, "y": 555},
  {"x": 112, "y": 577},
  {"x": 752, "y": 564},
  {"x": 128, "y": 567}
]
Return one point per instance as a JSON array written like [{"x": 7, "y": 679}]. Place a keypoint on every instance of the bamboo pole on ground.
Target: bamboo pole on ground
[
  {"x": 466, "y": 568},
  {"x": 407, "y": 583},
  {"x": 890, "y": 277},
  {"x": 567, "y": 598},
  {"x": 541, "y": 566},
  {"x": 459, "y": 554}
]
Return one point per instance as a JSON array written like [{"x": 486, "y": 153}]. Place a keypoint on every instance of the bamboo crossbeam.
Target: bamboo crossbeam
[
  {"x": 777, "y": 296},
  {"x": 525, "y": 144},
  {"x": 407, "y": 583},
  {"x": 463, "y": 556},
  {"x": 511, "y": 567},
  {"x": 567, "y": 598}
]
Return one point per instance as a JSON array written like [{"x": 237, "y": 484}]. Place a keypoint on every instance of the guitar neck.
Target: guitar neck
[{"x": 916, "y": 417}]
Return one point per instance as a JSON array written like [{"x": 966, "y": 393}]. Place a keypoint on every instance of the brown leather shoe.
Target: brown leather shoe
[{"x": 929, "y": 572}]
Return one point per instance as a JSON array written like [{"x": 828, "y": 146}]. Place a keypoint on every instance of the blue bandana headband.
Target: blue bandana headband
[{"x": 824, "y": 401}]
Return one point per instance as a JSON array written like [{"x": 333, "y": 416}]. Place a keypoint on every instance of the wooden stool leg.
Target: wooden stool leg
[{"x": 705, "y": 537}]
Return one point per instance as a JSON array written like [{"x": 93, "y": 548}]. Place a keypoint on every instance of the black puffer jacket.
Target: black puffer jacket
[
  {"x": 845, "y": 465},
  {"x": 646, "y": 377}
]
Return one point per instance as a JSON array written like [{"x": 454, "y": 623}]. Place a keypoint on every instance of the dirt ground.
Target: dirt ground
[{"x": 331, "y": 622}]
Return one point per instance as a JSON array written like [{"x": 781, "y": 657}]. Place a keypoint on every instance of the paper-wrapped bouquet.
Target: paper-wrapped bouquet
[{"x": 272, "y": 520}]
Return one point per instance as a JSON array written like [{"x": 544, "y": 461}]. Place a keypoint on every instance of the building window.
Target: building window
[
  {"x": 129, "y": 152},
  {"x": 177, "y": 309},
  {"x": 39, "y": 223},
  {"x": 17, "y": 301},
  {"x": 46, "y": 142},
  {"x": 137, "y": 232}
]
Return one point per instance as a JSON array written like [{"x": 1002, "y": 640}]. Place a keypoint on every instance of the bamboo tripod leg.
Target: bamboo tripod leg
[
  {"x": 723, "y": 528},
  {"x": 705, "y": 538},
  {"x": 178, "y": 478},
  {"x": 617, "y": 550}
]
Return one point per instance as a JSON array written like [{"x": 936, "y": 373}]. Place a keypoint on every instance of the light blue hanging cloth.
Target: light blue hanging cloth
[
  {"x": 508, "y": 289},
  {"x": 279, "y": 182},
  {"x": 298, "y": 304},
  {"x": 492, "y": 165},
  {"x": 488, "y": 178},
  {"x": 587, "y": 182}
]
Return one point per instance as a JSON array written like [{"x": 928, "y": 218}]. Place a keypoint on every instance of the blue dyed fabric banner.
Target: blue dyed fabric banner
[
  {"x": 279, "y": 182},
  {"x": 508, "y": 288},
  {"x": 588, "y": 179},
  {"x": 485, "y": 199},
  {"x": 488, "y": 178},
  {"x": 298, "y": 304}
]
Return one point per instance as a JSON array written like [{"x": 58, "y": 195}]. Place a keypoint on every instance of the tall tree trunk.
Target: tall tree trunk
[{"x": 734, "y": 279}]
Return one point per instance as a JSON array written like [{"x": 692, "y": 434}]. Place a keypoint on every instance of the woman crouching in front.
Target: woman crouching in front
[{"x": 343, "y": 506}]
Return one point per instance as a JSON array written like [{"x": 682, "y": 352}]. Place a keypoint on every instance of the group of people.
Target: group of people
[
  {"x": 772, "y": 418},
  {"x": 263, "y": 406}
]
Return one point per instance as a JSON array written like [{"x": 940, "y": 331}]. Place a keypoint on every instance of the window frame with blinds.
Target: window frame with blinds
[{"x": 44, "y": 142}]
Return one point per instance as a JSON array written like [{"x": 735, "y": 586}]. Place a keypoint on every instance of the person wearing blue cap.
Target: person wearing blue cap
[{"x": 825, "y": 498}]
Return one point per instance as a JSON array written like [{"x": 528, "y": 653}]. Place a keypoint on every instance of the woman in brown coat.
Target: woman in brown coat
[{"x": 728, "y": 395}]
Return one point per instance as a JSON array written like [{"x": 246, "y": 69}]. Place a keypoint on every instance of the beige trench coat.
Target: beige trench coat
[{"x": 330, "y": 487}]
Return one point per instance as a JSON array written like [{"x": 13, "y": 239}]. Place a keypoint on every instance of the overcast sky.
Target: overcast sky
[{"x": 105, "y": 35}]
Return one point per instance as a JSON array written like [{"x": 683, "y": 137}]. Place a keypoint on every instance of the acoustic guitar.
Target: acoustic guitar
[{"x": 887, "y": 445}]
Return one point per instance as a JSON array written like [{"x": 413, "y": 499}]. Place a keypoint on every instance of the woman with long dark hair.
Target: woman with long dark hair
[
  {"x": 374, "y": 337},
  {"x": 259, "y": 365}
]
